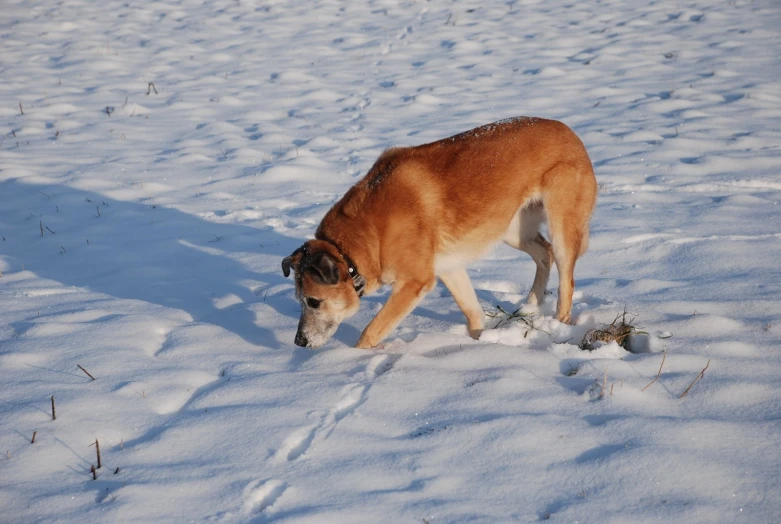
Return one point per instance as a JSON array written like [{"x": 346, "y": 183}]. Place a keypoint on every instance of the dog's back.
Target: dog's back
[{"x": 465, "y": 189}]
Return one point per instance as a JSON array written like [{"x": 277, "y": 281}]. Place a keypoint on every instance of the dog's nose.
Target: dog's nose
[{"x": 300, "y": 340}]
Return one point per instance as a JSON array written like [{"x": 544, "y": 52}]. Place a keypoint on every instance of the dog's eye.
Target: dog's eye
[{"x": 313, "y": 303}]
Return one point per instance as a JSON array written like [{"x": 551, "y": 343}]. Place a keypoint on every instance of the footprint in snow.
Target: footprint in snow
[
  {"x": 259, "y": 495},
  {"x": 299, "y": 441},
  {"x": 296, "y": 444},
  {"x": 380, "y": 365}
]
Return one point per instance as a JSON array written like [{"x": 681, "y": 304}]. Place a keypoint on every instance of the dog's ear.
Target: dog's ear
[
  {"x": 292, "y": 261},
  {"x": 324, "y": 269}
]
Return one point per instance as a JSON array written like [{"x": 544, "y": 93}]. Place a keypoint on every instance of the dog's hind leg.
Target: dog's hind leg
[
  {"x": 542, "y": 253},
  {"x": 523, "y": 233},
  {"x": 568, "y": 207},
  {"x": 457, "y": 282}
]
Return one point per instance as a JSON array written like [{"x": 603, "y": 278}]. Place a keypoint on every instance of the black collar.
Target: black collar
[{"x": 358, "y": 281}]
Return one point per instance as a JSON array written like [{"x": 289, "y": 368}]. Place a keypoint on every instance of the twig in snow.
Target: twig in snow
[
  {"x": 614, "y": 383},
  {"x": 698, "y": 377},
  {"x": 150, "y": 87},
  {"x": 604, "y": 381},
  {"x": 98, "y": 215},
  {"x": 33, "y": 439},
  {"x": 94, "y": 472},
  {"x": 85, "y": 371},
  {"x": 54, "y": 413},
  {"x": 21, "y": 109},
  {"x": 41, "y": 225},
  {"x": 97, "y": 451},
  {"x": 116, "y": 470},
  {"x": 657, "y": 375},
  {"x": 109, "y": 110}
]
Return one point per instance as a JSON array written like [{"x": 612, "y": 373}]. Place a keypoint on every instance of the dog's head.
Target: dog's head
[{"x": 328, "y": 293}]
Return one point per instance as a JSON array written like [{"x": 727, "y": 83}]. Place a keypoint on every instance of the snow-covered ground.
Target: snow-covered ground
[{"x": 167, "y": 154}]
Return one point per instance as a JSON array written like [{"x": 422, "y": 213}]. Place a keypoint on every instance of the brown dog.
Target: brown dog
[{"x": 427, "y": 211}]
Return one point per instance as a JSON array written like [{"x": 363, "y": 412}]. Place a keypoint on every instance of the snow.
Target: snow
[{"x": 142, "y": 236}]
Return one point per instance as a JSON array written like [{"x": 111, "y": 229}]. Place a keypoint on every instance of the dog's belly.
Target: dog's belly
[
  {"x": 457, "y": 257},
  {"x": 450, "y": 261},
  {"x": 463, "y": 245}
]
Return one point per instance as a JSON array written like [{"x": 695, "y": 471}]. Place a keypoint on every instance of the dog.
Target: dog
[{"x": 427, "y": 211}]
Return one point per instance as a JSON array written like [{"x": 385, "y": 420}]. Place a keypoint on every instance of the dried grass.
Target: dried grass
[
  {"x": 506, "y": 317},
  {"x": 617, "y": 331}
]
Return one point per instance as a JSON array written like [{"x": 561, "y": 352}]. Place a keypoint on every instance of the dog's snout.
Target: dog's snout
[{"x": 300, "y": 340}]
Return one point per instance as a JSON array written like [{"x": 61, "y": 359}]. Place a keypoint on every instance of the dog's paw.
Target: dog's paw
[
  {"x": 475, "y": 333},
  {"x": 364, "y": 343}
]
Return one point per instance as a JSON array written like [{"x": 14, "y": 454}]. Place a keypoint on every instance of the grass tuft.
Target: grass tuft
[
  {"x": 506, "y": 317},
  {"x": 617, "y": 331}
]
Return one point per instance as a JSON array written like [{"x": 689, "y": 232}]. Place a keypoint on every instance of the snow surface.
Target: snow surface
[{"x": 172, "y": 152}]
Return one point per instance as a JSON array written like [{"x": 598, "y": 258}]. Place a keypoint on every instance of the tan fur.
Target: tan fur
[{"x": 427, "y": 211}]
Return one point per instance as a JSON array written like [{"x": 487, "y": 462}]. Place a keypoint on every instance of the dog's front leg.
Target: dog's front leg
[
  {"x": 403, "y": 299},
  {"x": 457, "y": 282}
]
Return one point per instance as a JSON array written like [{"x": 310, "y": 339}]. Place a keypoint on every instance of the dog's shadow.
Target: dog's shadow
[{"x": 154, "y": 254}]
